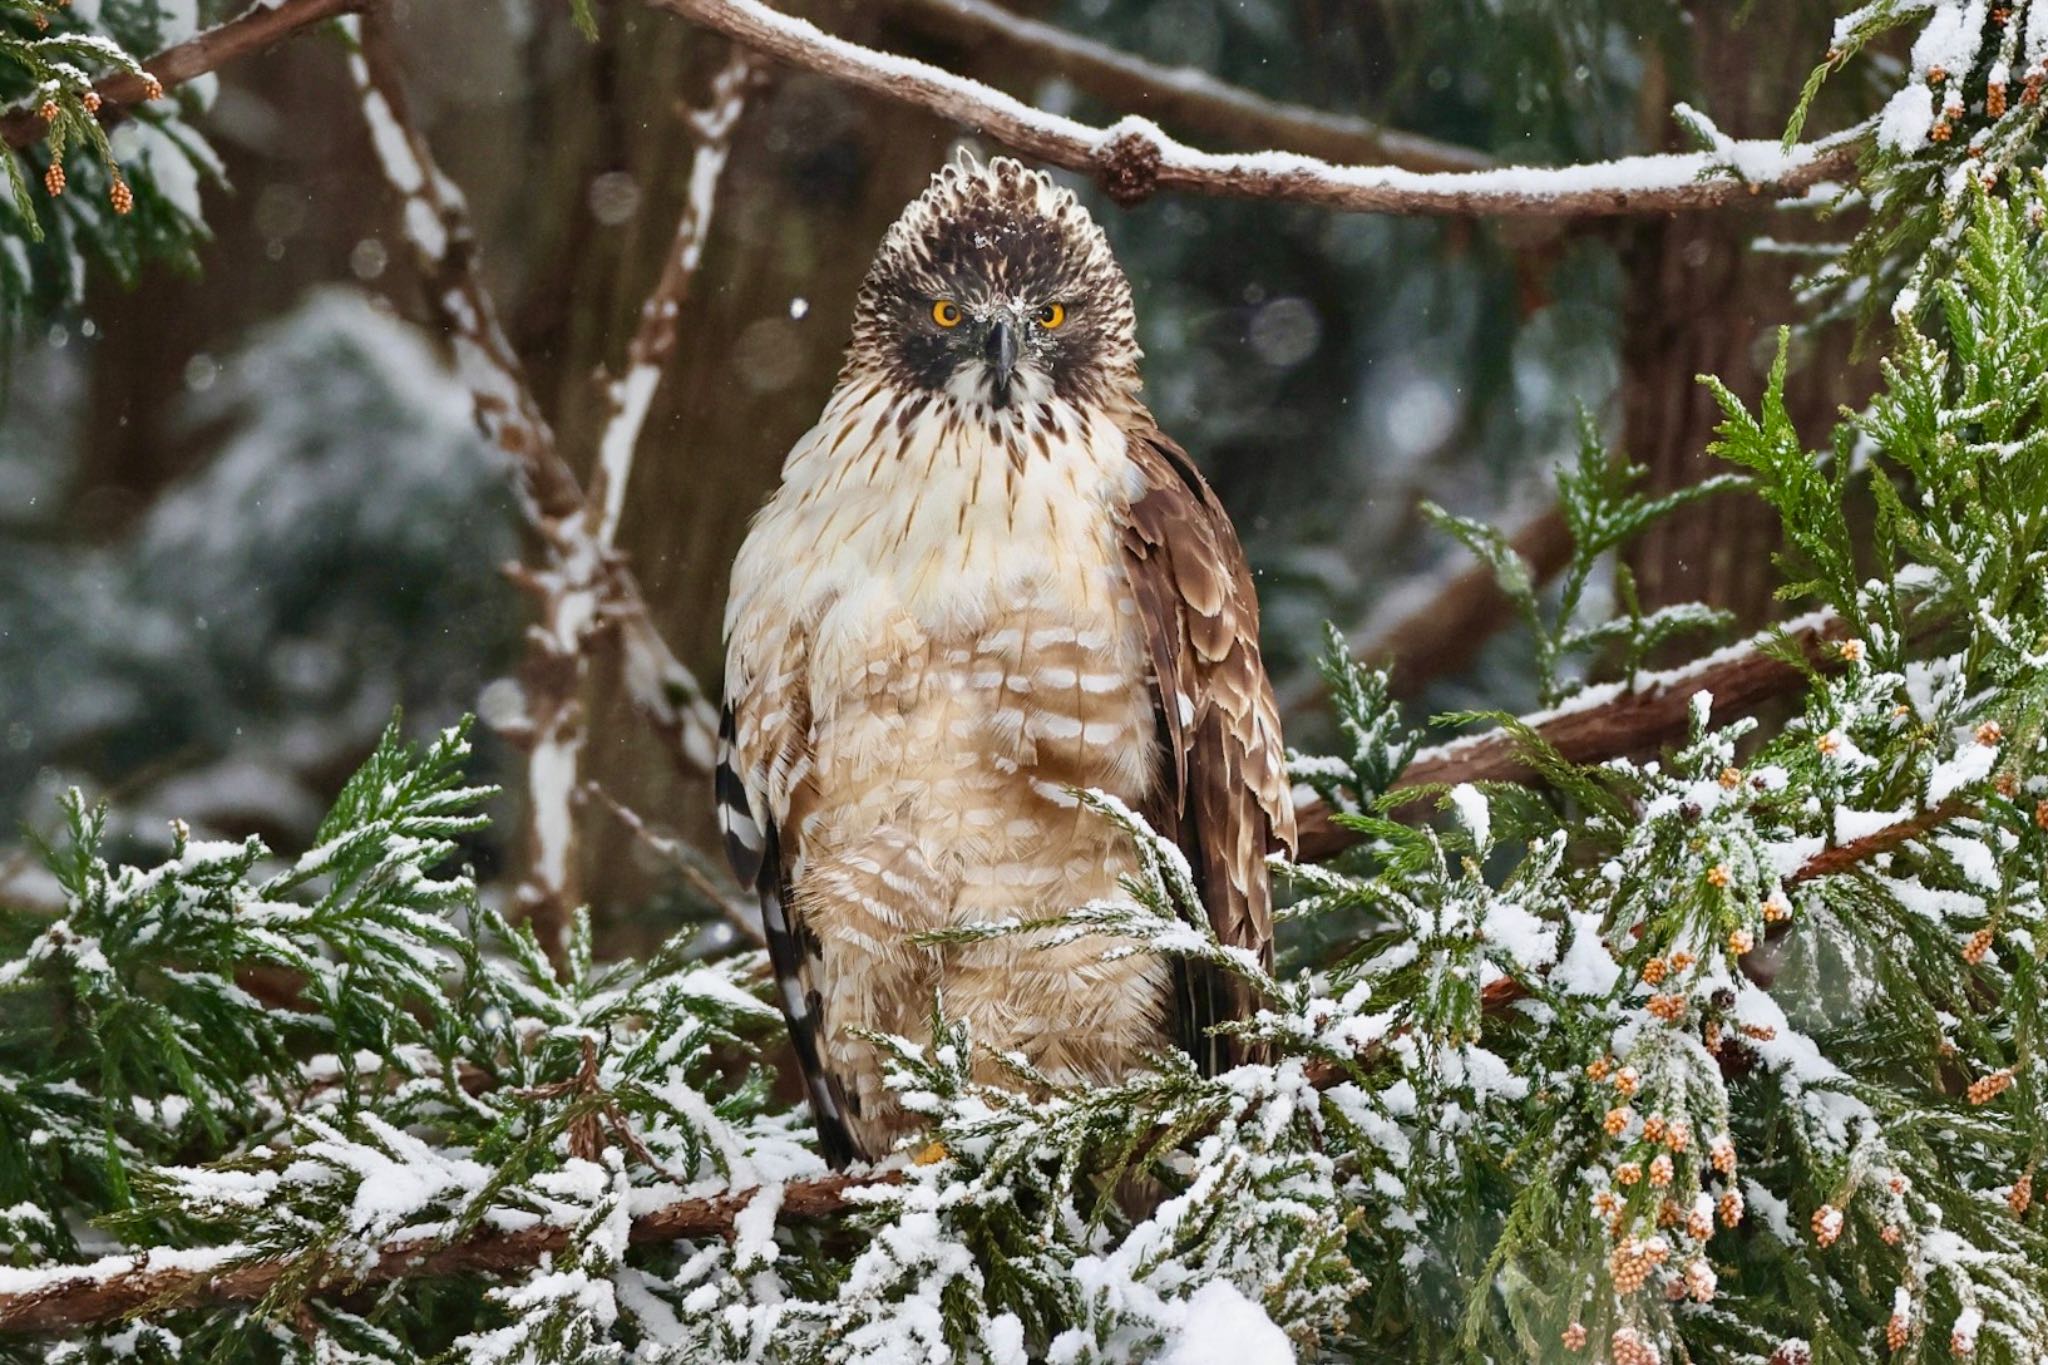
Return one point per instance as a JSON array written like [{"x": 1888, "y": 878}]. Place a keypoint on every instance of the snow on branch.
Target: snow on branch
[
  {"x": 257, "y": 29},
  {"x": 580, "y": 587},
  {"x": 1611, "y": 720},
  {"x": 1134, "y": 158},
  {"x": 66, "y": 1298},
  {"x": 435, "y": 220},
  {"x": 1182, "y": 96},
  {"x": 629, "y": 397}
]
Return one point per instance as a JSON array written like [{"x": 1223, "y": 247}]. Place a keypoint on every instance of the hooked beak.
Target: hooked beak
[{"x": 999, "y": 349}]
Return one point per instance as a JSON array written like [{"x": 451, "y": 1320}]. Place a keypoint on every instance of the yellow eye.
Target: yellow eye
[
  {"x": 1051, "y": 316},
  {"x": 946, "y": 313}
]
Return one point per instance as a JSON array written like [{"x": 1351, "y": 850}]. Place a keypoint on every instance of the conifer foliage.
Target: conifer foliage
[
  {"x": 1733, "y": 1053},
  {"x": 82, "y": 191}
]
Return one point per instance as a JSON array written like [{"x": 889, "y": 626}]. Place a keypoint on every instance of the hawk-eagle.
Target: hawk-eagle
[{"x": 988, "y": 579}]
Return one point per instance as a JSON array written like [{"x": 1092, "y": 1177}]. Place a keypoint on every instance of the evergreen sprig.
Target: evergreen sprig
[
  {"x": 80, "y": 193},
  {"x": 1603, "y": 509}
]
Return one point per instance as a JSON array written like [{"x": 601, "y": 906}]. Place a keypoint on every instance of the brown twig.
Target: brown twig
[
  {"x": 1505, "y": 991},
  {"x": 1843, "y": 857},
  {"x": 1134, "y": 158},
  {"x": 1628, "y": 722},
  {"x": 1181, "y": 96},
  {"x": 257, "y": 29},
  {"x": 739, "y": 912}
]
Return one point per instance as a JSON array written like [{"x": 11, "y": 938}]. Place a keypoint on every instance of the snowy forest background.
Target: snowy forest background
[{"x": 428, "y": 358}]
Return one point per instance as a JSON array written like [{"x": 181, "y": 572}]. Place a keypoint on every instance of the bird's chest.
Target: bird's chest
[{"x": 962, "y": 604}]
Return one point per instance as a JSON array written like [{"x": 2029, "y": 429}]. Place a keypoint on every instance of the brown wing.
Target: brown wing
[{"x": 1227, "y": 801}]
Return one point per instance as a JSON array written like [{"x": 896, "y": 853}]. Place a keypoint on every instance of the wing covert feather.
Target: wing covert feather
[{"x": 1228, "y": 803}]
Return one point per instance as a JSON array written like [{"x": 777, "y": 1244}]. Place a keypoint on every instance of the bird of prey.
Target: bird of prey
[{"x": 988, "y": 580}]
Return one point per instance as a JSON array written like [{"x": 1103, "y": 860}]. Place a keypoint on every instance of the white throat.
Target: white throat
[
  {"x": 942, "y": 504},
  {"x": 972, "y": 386}
]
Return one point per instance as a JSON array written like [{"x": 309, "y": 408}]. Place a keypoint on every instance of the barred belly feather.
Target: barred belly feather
[{"x": 931, "y": 639}]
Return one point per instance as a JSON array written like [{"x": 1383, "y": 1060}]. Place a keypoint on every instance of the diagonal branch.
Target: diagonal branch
[
  {"x": 1844, "y": 857},
  {"x": 741, "y": 912},
  {"x": 435, "y": 219},
  {"x": 665, "y": 693},
  {"x": 1181, "y": 96},
  {"x": 1434, "y": 624},
  {"x": 629, "y": 397},
  {"x": 1612, "y": 721},
  {"x": 579, "y": 586},
  {"x": 566, "y": 585},
  {"x": 1133, "y": 158},
  {"x": 260, "y": 27}
]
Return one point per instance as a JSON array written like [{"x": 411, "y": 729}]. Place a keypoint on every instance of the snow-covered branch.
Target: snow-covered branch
[
  {"x": 665, "y": 692},
  {"x": 257, "y": 29},
  {"x": 66, "y": 1298},
  {"x": 1611, "y": 720},
  {"x": 1181, "y": 96},
  {"x": 580, "y": 587},
  {"x": 629, "y": 397},
  {"x": 1842, "y": 857},
  {"x": 1134, "y": 158},
  {"x": 567, "y": 584}
]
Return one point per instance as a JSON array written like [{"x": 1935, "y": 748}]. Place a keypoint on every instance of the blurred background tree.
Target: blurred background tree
[{"x": 243, "y": 512}]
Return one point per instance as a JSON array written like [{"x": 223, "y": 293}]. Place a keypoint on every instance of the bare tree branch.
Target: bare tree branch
[
  {"x": 1133, "y": 158},
  {"x": 1181, "y": 96},
  {"x": 665, "y": 693},
  {"x": 579, "y": 587},
  {"x": 654, "y": 340},
  {"x": 567, "y": 584},
  {"x": 740, "y": 911},
  {"x": 258, "y": 28}
]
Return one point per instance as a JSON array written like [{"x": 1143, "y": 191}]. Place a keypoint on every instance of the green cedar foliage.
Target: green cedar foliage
[
  {"x": 50, "y": 57},
  {"x": 1731, "y": 1056}
]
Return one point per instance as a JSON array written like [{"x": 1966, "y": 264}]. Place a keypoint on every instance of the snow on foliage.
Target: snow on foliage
[
  {"x": 77, "y": 192},
  {"x": 1620, "y": 1057},
  {"x": 1730, "y": 1054}
]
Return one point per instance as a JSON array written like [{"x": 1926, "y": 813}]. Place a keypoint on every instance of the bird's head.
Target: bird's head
[{"x": 995, "y": 287}]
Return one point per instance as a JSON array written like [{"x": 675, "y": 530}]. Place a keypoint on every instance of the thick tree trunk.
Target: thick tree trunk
[
  {"x": 297, "y": 169},
  {"x": 1703, "y": 299}
]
